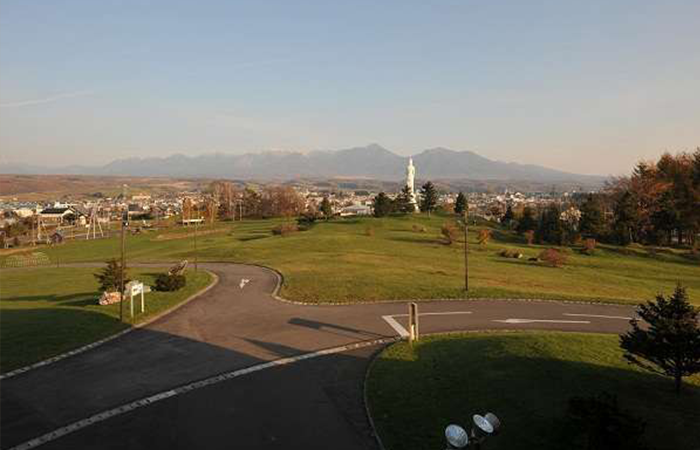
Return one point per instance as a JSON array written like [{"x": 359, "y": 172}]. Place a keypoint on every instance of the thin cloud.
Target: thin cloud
[{"x": 50, "y": 99}]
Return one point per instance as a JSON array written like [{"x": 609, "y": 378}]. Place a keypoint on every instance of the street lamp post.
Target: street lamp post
[
  {"x": 125, "y": 216},
  {"x": 125, "y": 223},
  {"x": 484, "y": 426},
  {"x": 466, "y": 247},
  {"x": 196, "y": 225}
]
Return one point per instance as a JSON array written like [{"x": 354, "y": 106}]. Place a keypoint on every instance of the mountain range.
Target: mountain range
[{"x": 372, "y": 161}]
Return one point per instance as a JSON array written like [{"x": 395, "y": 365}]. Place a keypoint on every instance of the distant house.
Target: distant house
[
  {"x": 62, "y": 215},
  {"x": 56, "y": 238},
  {"x": 356, "y": 210}
]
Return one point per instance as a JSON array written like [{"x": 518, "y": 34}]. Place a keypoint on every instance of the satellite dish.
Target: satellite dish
[
  {"x": 483, "y": 424},
  {"x": 494, "y": 421},
  {"x": 489, "y": 423},
  {"x": 456, "y": 436}
]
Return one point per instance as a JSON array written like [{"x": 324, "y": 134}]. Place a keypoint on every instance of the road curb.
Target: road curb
[{"x": 100, "y": 342}]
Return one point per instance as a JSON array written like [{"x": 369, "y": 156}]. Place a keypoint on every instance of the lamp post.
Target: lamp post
[
  {"x": 125, "y": 223},
  {"x": 466, "y": 247},
  {"x": 484, "y": 426},
  {"x": 196, "y": 226}
]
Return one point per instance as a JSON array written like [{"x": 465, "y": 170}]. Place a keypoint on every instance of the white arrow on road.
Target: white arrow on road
[
  {"x": 599, "y": 316},
  {"x": 244, "y": 281},
  {"x": 540, "y": 320}
]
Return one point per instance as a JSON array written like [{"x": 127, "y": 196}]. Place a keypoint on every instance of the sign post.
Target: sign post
[
  {"x": 135, "y": 288},
  {"x": 413, "y": 333}
]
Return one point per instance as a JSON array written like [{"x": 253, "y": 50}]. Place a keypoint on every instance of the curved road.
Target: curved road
[{"x": 312, "y": 403}]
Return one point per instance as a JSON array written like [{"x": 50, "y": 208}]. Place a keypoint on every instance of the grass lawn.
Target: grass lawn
[
  {"x": 47, "y": 311},
  {"x": 340, "y": 261},
  {"x": 525, "y": 378}
]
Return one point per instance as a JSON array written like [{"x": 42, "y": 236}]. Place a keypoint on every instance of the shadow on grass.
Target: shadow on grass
[
  {"x": 419, "y": 239},
  {"x": 253, "y": 238},
  {"x": 31, "y": 335},
  {"x": 447, "y": 382},
  {"x": 52, "y": 297},
  {"x": 507, "y": 237}
]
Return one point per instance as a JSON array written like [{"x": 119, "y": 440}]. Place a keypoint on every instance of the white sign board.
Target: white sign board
[{"x": 135, "y": 288}]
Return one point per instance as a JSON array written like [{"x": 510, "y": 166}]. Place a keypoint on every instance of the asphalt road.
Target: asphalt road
[{"x": 313, "y": 403}]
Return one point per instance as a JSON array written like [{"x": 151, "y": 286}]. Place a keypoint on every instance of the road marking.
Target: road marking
[
  {"x": 244, "y": 281},
  {"x": 518, "y": 321},
  {"x": 128, "y": 407},
  {"x": 598, "y": 316},
  {"x": 396, "y": 326},
  {"x": 449, "y": 313}
]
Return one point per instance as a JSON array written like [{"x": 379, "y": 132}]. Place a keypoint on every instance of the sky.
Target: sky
[{"x": 584, "y": 86}]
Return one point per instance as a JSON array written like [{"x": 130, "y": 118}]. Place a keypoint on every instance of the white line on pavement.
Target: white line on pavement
[
  {"x": 396, "y": 326},
  {"x": 518, "y": 321},
  {"x": 598, "y": 316},
  {"x": 448, "y": 313},
  {"x": 128, "y": 407}
]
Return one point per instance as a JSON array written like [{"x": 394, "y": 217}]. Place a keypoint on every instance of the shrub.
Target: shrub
[
  {"x": 530, "y": 236},
  {"x": 510, "y": 254},
  {"x": 589, "y": 246},
  {"x": 484, "y": 236},
  {"x": 285, "y": 229},
  {"x": 169, "y": 283},
  {"x": 449, "y": 232},
  {"x": 109, "y": 278},
  {"x": 419, "y": 228},
  {"x": 553, "y": 257}
]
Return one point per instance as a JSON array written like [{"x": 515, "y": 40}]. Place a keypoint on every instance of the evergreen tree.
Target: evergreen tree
[
  {"x": 429, "y": 197},
  {"x": 527, "y": 222},
  {"x": 670, "y": 345},
  {"x": 508, "y": 216},
  {"x": 626, "y": 216},
  {"x": 592, "y": 222},
  {"x": 326, "y": 208},
  {"x": 549, "y": 228},
  {"x": 460, "y": 203},
  {"x": 403, "y": 202},
  {"x": 110, "y": 277},
  {"x": 382, "y": 205}
]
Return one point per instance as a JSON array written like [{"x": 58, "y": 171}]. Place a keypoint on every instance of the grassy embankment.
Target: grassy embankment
[
  {"x": 341, "y": 261},
  {"x": 48, "y": 311},
  {"x": 524, "y": 378}
]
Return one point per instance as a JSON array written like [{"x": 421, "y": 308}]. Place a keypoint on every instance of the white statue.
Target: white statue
[{"x": 410, "y": 182}]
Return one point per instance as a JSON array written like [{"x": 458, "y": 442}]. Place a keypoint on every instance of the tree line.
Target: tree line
[{"x": 658, "y": 204}]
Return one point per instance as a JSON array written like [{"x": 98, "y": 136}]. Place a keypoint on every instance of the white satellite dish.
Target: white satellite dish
[
  {"x": 483, "y": 424},
  {"x": 489, "y": 423},
  {"x": 456, "y": 436}
]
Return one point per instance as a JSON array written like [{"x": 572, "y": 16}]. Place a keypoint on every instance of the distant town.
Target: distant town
[{"x": 95, "y": 215}]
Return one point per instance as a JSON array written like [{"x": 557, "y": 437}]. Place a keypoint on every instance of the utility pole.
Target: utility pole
[
  {"x": 125, "y": 218},
  {"x": 196, "y": 225},
  {"x": 466, "y": 246}
]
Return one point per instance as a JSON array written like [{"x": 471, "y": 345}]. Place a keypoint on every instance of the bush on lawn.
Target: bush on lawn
[
  {"x": 510, "y": 254},
  {"x": 168, "y": 283},
  {"x": 589, "y": 246},
  {"x": 419, "y": 229},
  {"x": 285, "y": 229},
  {"x": 449, "y": 232},
  {"x": 109, "y": 278},
  {"x": 553, "y": 257}
]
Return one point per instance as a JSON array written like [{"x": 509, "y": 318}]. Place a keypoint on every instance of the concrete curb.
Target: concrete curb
[{"x": 100, "y": 342}]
